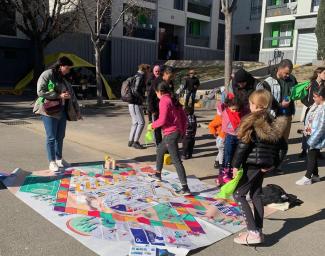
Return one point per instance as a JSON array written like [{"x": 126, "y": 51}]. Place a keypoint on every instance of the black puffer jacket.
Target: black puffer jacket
[{"x": 261, "y": 138}]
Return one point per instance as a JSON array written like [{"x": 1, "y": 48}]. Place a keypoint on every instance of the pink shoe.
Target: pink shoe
[{"x": 249, "y": 237}]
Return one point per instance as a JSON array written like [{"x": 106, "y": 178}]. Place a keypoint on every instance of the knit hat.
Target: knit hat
[{"x": 241, "y": 76}]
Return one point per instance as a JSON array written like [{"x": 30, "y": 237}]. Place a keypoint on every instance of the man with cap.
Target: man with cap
[{"x": 244, "y": 85}]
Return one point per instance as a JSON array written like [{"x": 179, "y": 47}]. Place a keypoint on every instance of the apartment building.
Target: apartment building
[
  {"x": 246, "y": 30},
  {"x": 14, "y": 47},
  {"x": 289, "y": 26},
  {"x": 155, "y": 31}
]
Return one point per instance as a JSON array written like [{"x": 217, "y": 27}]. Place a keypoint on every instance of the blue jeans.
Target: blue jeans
[
  {"x": 192, "y": 95},
  {"x": 231, "y": 142},
  {"x": 55, "y": 132}
]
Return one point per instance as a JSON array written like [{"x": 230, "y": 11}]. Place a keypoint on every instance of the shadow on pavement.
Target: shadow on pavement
[{"x": 291, "y": 225}]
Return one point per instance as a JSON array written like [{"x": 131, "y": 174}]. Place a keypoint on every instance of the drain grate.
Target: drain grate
[{"x": 16, "y": 122}]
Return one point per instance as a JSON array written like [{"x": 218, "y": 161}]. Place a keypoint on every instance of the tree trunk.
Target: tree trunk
[
  {"x": 228, "y": 47},
  {"x": 98, "y": 78},
  {"x": 38, "y": 61}
]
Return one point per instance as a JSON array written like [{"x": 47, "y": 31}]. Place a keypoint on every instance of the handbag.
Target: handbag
[{"x": 52, "y": 106}]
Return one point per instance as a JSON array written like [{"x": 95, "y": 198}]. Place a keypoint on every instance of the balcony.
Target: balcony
[
  {"x": 199, "y": 7},
  {"x": 140, "y": 32},
  {"x": 281, "y": 8},
  {"x": 201, "y": 41},
  {"x": 276, "y": 42}
]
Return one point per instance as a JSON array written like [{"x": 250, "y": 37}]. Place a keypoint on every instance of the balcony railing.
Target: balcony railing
[
  {"x": 199, "y": 7},
  {"x": 140, "y": 32},
  {"x": 281, "y": 9},
  {"x": 275, "y": 42},
  {"x": 202, "y": 41}
]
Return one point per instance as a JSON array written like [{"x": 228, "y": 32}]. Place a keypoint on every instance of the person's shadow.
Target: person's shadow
[{"x": 291, "y": 225}]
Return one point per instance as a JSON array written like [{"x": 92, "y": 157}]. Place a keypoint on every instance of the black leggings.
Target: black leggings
[
  {"x": 312, "y": 163},
  {"x": 251, "y": 182}
]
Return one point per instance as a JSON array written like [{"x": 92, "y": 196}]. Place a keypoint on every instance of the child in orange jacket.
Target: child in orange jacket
[{"x": 215, "y": 127}]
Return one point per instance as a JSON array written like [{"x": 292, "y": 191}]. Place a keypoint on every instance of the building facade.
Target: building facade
[
  {"x": 14, "y": 48},
  {"x": 288, "y": 26},
  {"x": 246, "y": 30},
  {"x": 156, "y": 30}
]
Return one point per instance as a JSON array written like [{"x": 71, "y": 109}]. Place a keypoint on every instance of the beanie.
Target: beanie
[{"x": 241, "y": 76}]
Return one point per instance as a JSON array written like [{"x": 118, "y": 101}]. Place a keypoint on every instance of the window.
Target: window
[
  {"x": 194, "y": 27},
  {"x": 315, "y": 5},
  {"x": 8, "y": 23},
  {"x": 285, "y": 31},
  {"x": 179, "y": 5},
  {"x": 256, "y": 9},
  {"x": 221, "y": 36},
  {"x": 139, "y": 22}
]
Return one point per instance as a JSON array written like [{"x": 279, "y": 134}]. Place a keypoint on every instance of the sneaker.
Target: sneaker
[
  {"x": 137, "y": 145},
  {"x": 62, "y": 163},
  {"x": 216, "y": 165},
  {"x": 304, "y": 181},
  {"x": 303, "y": 154},
  {"x": 315, "y": 178},
  {"x": 185, "y": 191},
  {"x": 249, "y": 237},
  {"x": 53, "y": 167},
  {"x": 130, "y": 143},
  {"x": 156, "y": 176}
]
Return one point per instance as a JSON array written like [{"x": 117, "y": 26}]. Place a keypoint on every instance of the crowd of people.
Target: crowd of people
[{"x": 251, "y": 126}]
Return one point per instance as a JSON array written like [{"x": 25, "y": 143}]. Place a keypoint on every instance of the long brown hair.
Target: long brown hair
[{"x": 316, "y": 72}]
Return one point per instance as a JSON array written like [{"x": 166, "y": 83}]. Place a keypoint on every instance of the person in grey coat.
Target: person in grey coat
[
  {"x": 56, "y": 104},
  {"x": 136, "y": 107}
]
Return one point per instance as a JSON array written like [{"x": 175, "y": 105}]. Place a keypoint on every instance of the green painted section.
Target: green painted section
[{"x": 40, "y": 185}]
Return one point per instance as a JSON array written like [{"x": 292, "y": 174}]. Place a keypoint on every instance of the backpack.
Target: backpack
[
  {"x": 127, "y": 89},
  {"x": 272, "y": 193}
]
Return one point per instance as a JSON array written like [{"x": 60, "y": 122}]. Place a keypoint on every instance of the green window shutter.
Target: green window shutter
[
  {"x": 196, "y": 28},
  {"x": 275, "y": 33}
]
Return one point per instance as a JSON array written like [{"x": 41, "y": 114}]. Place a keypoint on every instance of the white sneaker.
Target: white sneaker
[
  {"x": 62, "y": 163},
  {"x": 53, "y": 167},
  {"x": 304, "y": 181},
  {"x": 315, "y": 178}
]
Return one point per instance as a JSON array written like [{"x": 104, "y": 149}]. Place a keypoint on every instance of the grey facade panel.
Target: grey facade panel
[
  {"x": 266, "y": 56},
  {"x": 127, "y": 54},
  {"x": 16, "y": 60},
  {"x": 306, "y": 23},
  {"x": 77, "y": 43},
  {"x": 192, "y": 53}
]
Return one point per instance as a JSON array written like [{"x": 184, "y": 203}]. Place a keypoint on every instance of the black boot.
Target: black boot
[{"x": 185, "y": 191}]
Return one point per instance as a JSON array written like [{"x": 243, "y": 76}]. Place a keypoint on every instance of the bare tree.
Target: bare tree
[
  {"x": 42, "y": 21},
  {"x": 102, "y": 10},
  {"x": 227, "y": 7}
]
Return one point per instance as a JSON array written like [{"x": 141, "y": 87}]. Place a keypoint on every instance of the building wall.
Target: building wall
[
  {"x": 304, "y": 7},
  {"x": 195, "y": 53},
  {"x": 242, "y": 24},
  {"x": 267, "y": 55},
  {"x": 77, "y": 43},
  {"x": 16, "y": 59},
  {"x": 127, "y": 54}
]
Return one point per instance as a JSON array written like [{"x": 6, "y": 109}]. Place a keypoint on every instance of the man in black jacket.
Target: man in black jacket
[
  {"x": 192, "y": 83},
  {"x": 153, "y": 101}
]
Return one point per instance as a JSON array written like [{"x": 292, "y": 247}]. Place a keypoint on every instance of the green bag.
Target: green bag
[
  {"x": 299, "y": 91},
  {"x": 228, "y": 189},
  {"x": 149, "y": 137}
]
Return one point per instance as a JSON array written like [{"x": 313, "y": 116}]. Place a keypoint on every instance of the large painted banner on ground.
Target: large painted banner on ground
[{"x": 124, "y": 210}]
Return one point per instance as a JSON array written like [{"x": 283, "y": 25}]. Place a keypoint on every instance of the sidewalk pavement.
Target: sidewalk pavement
[{"x": 298, "y": 231}]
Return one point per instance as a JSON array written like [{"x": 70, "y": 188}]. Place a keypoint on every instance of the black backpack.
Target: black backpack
[
  {"x": 127, "y": 89},
  {"x": 272, "y": 193}
]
